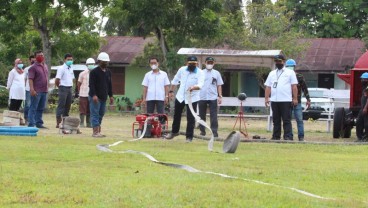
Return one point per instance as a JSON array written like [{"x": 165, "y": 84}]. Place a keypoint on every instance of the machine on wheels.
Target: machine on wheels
[
  {"x": 344, "y": 119},
  {"x": 153, "y": 124}
]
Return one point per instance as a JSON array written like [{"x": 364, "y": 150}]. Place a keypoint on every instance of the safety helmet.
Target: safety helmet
[
  {"x": 364, "y": 75},
  {"x": 103, "y": 56},
  {"x": 90, "y": 61},
  {"x": 290, "y": 62}
]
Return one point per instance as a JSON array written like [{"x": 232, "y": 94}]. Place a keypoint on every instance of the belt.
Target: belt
[{"x": 65, "y": 86}]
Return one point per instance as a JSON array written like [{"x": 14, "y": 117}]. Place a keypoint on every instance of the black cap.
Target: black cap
[
  {"x": 210, "y": 59},
  {"x": 192, "y": 59},
  {"x": 279, "y": 57}
]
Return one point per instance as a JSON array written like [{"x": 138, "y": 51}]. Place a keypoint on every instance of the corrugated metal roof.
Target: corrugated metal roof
[
  {"x": 330, "y": 54},
  {"x": 123, "y": 49},
  {"x": 234, "y": 57}
]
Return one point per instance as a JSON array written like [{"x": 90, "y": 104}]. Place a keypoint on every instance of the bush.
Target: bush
[{"x": 4, "y": 97}]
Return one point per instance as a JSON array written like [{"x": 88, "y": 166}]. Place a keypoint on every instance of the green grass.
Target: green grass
[{"x": 53, "y": 170}]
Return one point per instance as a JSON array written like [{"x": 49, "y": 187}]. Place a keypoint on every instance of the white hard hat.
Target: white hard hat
[
  {"x": 103, "y": 57},
  {"x": 90, "y": 61}
]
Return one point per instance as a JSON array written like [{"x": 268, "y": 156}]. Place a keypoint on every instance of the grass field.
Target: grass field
[{"x": 53, "y": 170}]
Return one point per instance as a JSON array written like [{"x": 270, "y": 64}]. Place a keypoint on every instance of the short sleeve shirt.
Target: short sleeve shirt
[
  {"x": 66, "y": 75},
  {"x": 84, "y": 80},
  {"x": 155, "y": 83},
  {"x": 280, "y": 82},
  {"x": 212, "y": 79},
  {"x": 39, "y": 73}
]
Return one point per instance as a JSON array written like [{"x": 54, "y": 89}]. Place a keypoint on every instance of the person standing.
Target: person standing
[
  {"x": 83, "y": 89},
  {"x": 298, "y": 110},
  {"x": 38, "y": 85},
  {"x": 64, "y": 81},
  {"x": 281, "y": 84},
  {"x": 16, "y": 86},
  {"x": 27, "y": 101},
  {"x": 191, "y": 79},
  {"x": 210, "y": 95},
  {"x": 362, "y": 119},
  {"x": 155, "y": 88},
  {"x": 100, "y": 86}
]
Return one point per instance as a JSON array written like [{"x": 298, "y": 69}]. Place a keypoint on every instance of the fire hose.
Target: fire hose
[{"x": 106, "y": 148}]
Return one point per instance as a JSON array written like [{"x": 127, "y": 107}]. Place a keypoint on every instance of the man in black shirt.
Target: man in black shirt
[{"x": 99, "y": 87}]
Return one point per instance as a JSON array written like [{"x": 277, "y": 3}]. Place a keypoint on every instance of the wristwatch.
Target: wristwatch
[{"x": 220, "y": 96}]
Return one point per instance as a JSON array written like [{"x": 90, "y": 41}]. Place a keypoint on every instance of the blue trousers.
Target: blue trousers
[
  {"x": 297, "y": 111},
  {"x": 36, "y": 108},
  {"x": 97, "y": 111},
  {"x": 27, "y": 104}
]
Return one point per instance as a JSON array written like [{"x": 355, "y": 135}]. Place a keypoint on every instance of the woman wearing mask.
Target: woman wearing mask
[{"x": 16, "y": 86}]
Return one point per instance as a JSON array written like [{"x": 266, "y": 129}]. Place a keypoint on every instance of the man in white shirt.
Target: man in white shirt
[
  {"x": 191, "y": 79},
  {"x": 155, "y": 88},
  {"x": 27, "y": 101},
  {"x": 281, "y": 84},
  {"x": 211, "y": 95},
  {"x": 64, "y": 81}
]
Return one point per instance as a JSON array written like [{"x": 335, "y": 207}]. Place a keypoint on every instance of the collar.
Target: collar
[
  {"x": 195, "y": 70},
  {"x": 159, "y": 71}
]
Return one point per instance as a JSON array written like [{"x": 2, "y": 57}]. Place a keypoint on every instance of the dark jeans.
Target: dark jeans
[
  {"x": 281, "y": 111},
  {"x": 65, "y": 101},
  {"x": 361, "y": 125},
  {"x": 27, "y": 103},
  {"x": 15, "y": 104},
  {"x": 36, "y": 108},
  {"x": 160, "y": 106},
  {"x": 97, "y": 111},
  {"x": 212, "y": 104},
  {"x": 177, "y": 118}
]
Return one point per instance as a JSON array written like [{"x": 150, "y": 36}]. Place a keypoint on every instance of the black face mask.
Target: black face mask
[
  {"x": 191, "y": 68},
  {"x": 279, "y": 66}
]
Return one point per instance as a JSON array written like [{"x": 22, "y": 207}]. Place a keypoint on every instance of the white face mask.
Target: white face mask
[
  {"x": 90, "y": 67},
  {"x": 209, "y": 66},
  {"x": 290, "y": 67},
  {"x": 153, "y": 67}
]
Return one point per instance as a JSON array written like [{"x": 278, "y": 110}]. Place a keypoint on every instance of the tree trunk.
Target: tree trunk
[{"x": 161, "y": 38}]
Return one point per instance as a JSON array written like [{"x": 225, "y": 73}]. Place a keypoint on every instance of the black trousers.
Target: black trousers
[
  {"x": 179, "y": 107},
  {"x": 361, "y": 125},
  {"x": 160, "y": 106},
  {"x": 212, "y": 104},
  {"x": 281, "y": 111},
  {"x": 15, "y": 104}
]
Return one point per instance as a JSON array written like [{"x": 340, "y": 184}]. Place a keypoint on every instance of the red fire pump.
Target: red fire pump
[{"x": 156, "y": 124}]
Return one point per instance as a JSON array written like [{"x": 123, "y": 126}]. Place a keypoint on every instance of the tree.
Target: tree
[
  {"x": 174, "y": 23},
  {"x": 330, "y": 19},
  {"x": 49, "y": 18},
  {"x": 270, "y": 28}
]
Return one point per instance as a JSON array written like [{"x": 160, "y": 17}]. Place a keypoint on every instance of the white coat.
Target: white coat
[{"x": 16, "y": 85}]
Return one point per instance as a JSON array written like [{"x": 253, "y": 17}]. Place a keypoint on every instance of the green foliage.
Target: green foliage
[
  {"x": 121, "y": 101},
  {"x": 329, "y": 19},
  {"x": 4, "y": 97}
]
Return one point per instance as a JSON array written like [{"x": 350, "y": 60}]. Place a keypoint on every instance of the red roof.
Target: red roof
[
  {"x": 123, "y": 49},
  {"x": 362, "y": 61},
  {"x": 330, "y": 54}
]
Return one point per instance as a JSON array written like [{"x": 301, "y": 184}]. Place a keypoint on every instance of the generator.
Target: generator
[{"x": 156, "y": 124}]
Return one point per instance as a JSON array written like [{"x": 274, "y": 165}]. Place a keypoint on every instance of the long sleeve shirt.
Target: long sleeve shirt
[
  {"x": 302, "y": 86},
  {"x": 100, "y": 83}
]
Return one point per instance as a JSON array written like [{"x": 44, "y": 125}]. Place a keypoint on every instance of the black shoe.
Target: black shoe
[
  {"x": 42, "y": 127},
  {"x": 171, "y": 135},
  {"x": 288, "y": 139},
  {"x": 188, "y": 140},
  {"x": 275, "y": 138},
  {"x": 203, "y": 134}
]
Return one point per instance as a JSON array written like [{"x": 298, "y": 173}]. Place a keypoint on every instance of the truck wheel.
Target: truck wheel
[{"x": 338, "y": 123}]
